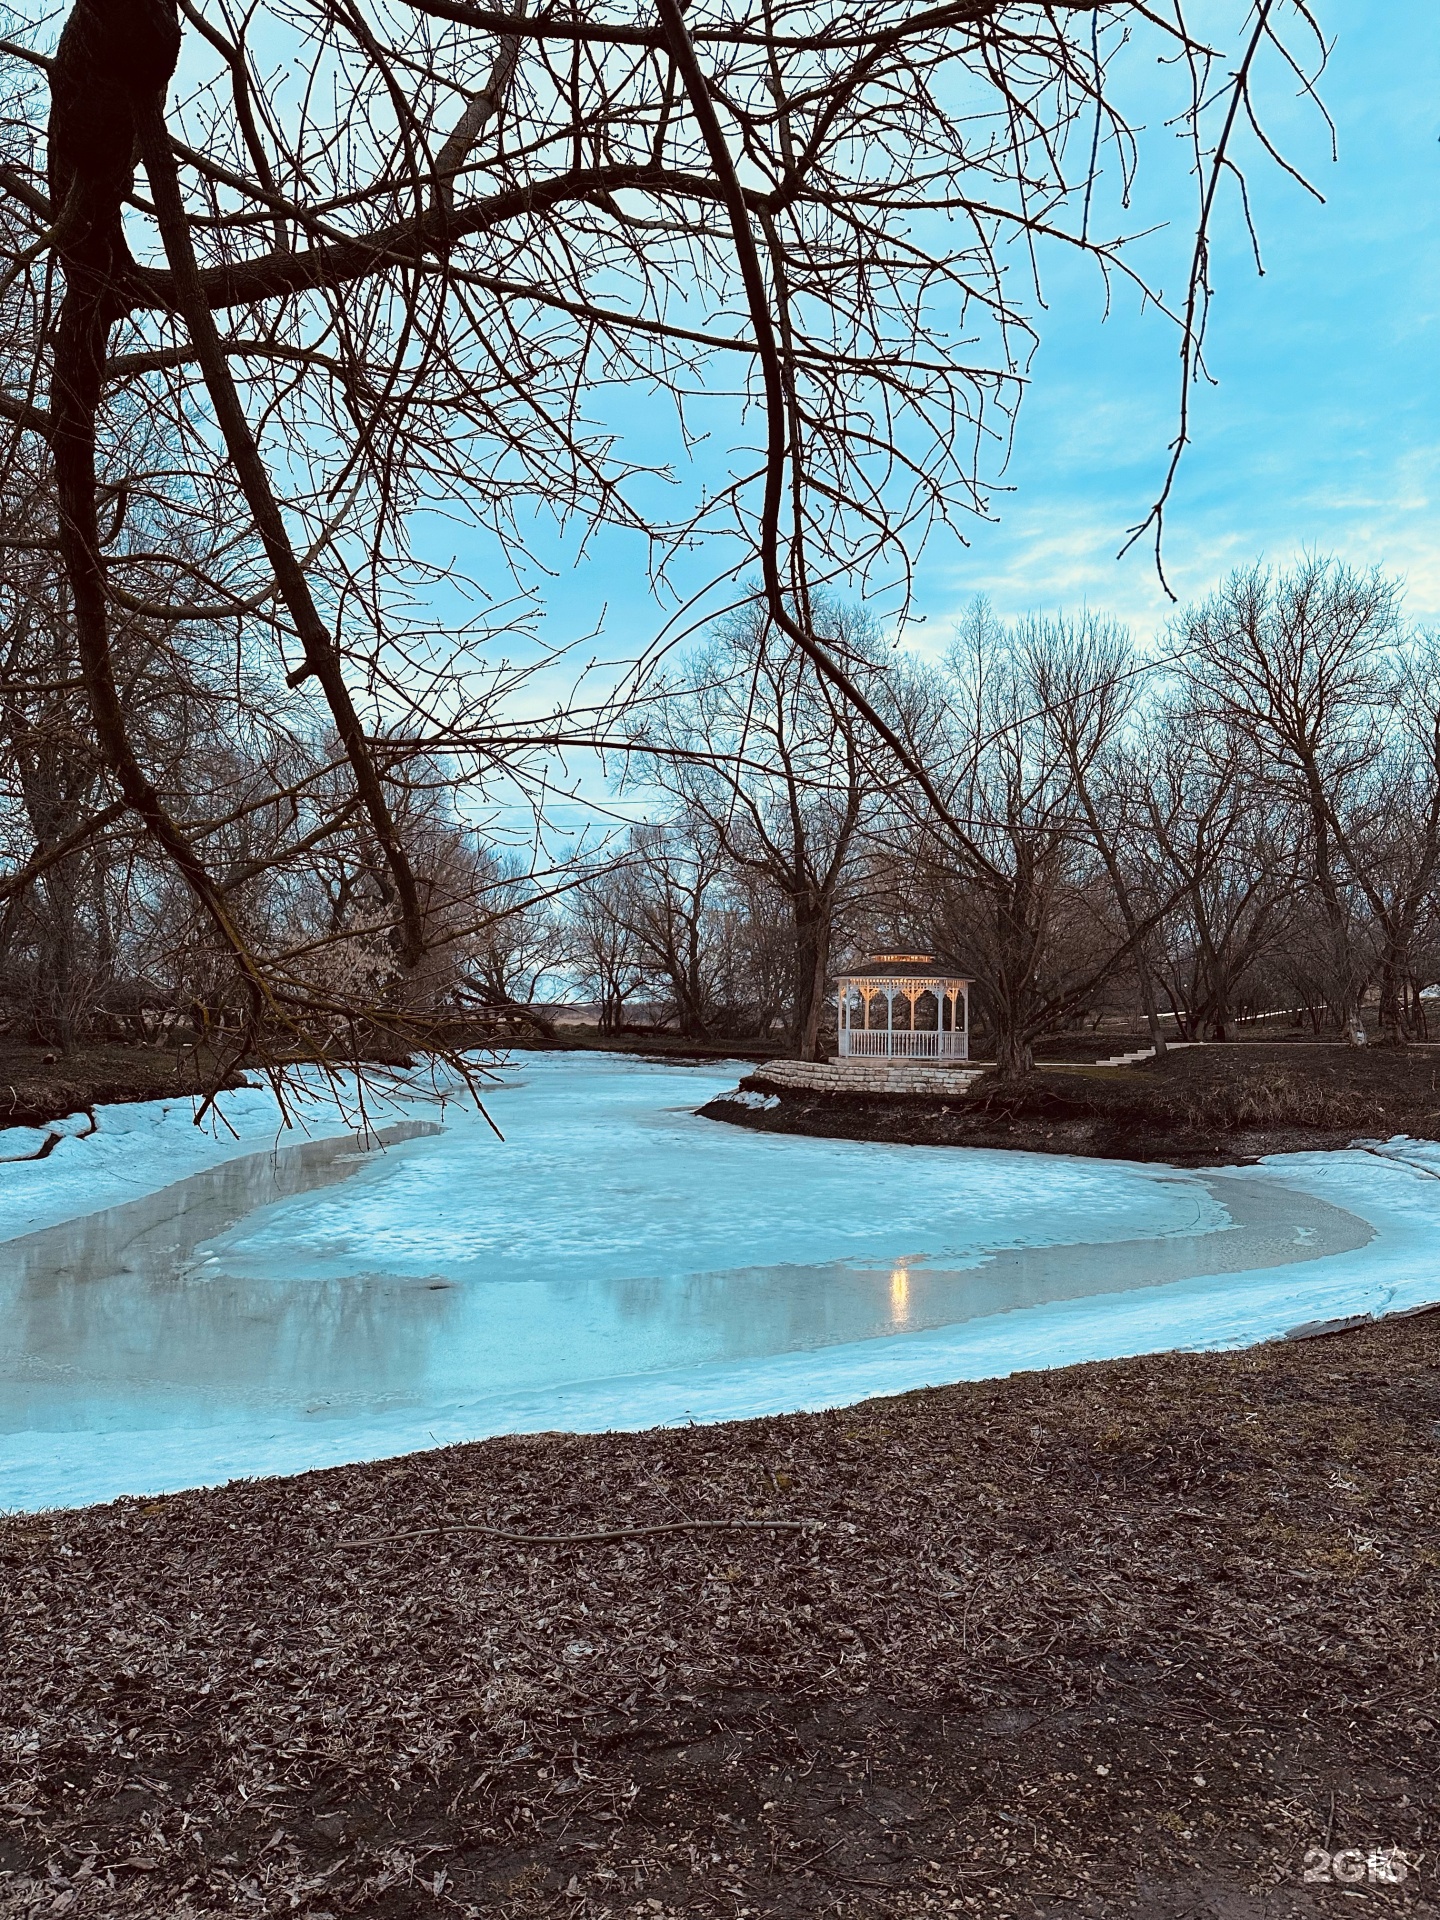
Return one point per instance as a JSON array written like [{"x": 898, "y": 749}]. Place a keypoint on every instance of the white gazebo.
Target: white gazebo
[{"x": 903, "y": 1006}]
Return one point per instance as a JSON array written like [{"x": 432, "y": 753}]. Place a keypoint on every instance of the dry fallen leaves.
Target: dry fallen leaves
[{"x": 1157, "y": 1624}]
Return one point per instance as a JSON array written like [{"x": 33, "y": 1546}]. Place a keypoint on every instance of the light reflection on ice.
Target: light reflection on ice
[{"x": 900, "y": 1299}]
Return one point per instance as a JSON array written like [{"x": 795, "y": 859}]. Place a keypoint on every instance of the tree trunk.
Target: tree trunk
[
  {"x": 1392, "y": 1018},
  {"x": 1148, "y": 1001},
  {"x": 1014, "y": 1055},
  {"x": 689, "y": 989},
  {"x": 812, "y": 965},
  {"x": 53, "y": 1002}
]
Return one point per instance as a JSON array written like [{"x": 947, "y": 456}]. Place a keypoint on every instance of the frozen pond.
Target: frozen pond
[{"x": 615, "y": 1261}]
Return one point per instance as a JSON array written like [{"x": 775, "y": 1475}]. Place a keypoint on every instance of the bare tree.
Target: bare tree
[
  {"x": 605, "y": 949},
  {"x": 1296, "y": 663},
  {"x": 435, "y": 292},
  {"x": 1223, "y": 847},
  {"x": 1009, "y": 880},
  {"x": 1086, "y": 678},
  {"x": 674, "y": 892},
  {"x": 757, "y": 744},
  {"x": 1390, "y": 838}
]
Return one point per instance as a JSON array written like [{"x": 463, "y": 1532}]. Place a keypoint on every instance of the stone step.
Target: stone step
[
  {"x": 869, "y": 1076},
  {"x": 1145, "y": 1053}
]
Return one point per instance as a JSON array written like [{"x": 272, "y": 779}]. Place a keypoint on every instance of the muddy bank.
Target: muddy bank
[
  {"x": 1211, "y": 1106},
  {"x": 38, "y": 1084},
  {"x": 1132, "y": 1637}
]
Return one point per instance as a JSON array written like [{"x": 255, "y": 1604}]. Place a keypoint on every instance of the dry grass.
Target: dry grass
[{"x": 1272, "y": 1098}]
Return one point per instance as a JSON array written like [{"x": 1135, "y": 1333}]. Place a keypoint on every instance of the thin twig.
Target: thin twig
[{"x": 588, "y": 1539}]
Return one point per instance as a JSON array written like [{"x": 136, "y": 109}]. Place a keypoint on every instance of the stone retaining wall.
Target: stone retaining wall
[{"x": 866, "y": 1076}]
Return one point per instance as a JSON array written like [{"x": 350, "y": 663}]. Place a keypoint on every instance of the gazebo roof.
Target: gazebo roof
[{"x": 902, "y": 966}]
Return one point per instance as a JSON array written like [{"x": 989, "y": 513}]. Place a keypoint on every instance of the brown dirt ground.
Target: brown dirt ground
[
  {"x": 1204, "y": 1106},
  {"x": 1121, "y": 1639},
  {"x": 38, "y": 1084}
]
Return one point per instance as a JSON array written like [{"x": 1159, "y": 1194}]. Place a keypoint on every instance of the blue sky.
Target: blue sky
[{"x": 1321, "y": 429}]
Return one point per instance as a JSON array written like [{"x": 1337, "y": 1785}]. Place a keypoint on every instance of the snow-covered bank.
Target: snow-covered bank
[
  {"x": 617, "y": 1263},
  {"x": 141, "y": 1146}
]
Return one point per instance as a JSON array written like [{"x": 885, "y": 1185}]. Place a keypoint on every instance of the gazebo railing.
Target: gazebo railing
[{"x": 901, "y": 1044}]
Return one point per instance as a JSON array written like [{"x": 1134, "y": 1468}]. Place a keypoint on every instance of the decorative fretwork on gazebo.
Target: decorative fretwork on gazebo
[{"x": 903, "y": 1006}]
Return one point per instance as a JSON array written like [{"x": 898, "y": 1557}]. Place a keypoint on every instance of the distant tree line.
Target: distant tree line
[
  {"x": 1243, "y": 820},
  {"x": 101, "y": 938}
]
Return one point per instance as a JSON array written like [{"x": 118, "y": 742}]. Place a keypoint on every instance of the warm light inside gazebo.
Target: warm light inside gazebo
[{"x": 903, "y": 1006}]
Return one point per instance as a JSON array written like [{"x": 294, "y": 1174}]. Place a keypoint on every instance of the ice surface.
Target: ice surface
[
  {"x": 148, "y": 1144},
  {"x": 615, "y": 1261}
]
